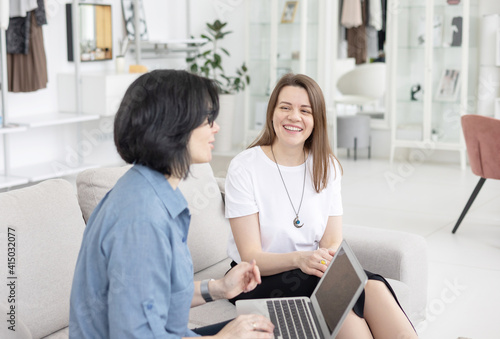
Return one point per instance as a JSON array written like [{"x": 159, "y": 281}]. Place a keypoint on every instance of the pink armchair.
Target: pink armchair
[{"x": 482, "y": 138}]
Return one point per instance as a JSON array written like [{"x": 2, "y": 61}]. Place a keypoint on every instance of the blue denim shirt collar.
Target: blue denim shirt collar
[{"x": 164, "y": 190}]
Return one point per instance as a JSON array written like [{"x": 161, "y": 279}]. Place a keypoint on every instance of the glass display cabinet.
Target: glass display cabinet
[
  {"x": 433, "y": 59},
  {"x": 282, "y": 37}
]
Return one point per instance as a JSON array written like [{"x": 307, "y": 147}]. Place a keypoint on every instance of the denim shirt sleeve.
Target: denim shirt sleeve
[{"x": 141, "y": 293}]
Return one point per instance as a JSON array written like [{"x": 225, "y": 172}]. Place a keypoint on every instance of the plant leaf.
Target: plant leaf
[{"x": 206, "y": 37}]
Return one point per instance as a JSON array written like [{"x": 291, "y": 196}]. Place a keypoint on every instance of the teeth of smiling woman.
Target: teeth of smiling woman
[{"x": 293, "y": 128}]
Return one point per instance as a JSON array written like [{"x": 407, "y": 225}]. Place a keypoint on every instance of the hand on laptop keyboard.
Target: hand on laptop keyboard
[{"x": 247, "y": 326}]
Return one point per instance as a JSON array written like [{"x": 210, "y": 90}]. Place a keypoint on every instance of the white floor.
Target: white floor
[{"x": 427, "y": 199}]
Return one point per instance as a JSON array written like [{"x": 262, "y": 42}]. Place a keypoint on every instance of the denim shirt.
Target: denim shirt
[{"x": 134, "y": 273}]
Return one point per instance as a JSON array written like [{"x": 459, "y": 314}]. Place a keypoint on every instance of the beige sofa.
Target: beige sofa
[{"x": 46, "y": 223}]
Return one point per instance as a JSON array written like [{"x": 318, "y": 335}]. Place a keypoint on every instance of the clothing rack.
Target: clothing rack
[{"x": 4, "y": 85}]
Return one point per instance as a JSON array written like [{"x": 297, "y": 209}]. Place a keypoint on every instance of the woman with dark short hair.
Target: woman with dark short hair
[{"x": 134, "y": 274}]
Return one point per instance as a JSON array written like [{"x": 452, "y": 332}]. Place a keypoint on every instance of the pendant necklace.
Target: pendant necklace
[{"x": 296, "y": 221}]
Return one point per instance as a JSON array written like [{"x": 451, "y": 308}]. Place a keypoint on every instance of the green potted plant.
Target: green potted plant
[{"x": 208, "y": 62}]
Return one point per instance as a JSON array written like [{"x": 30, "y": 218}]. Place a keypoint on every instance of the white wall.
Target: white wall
[{"x": 232, "y": 12}]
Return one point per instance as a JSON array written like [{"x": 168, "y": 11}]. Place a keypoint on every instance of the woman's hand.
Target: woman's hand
[
  {"x": 247, "y": 326},
  {"x": 315, "y": 262},
  {"x": 243, "y": 277}
]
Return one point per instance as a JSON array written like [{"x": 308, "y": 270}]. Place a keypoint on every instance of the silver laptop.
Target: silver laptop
[{"x": 322, "y": 315}]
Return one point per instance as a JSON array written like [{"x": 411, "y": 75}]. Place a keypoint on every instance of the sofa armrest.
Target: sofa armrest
[{"x": 396, "y": 255}]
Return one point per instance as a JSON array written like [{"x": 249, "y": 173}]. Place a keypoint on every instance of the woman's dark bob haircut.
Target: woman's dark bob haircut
[{"x": 157, "y": 115}]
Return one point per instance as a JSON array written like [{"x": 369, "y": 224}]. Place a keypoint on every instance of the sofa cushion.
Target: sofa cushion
[
  {"x": 20, "y": 329},
  {"x": 93, "y": 184},
  {"x": 209, "y": 228},
  {"x": 47, "y": 224}
]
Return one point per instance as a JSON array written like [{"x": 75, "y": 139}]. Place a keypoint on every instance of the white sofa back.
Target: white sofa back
[
  {"x": 209, "y": 228},
  {"x": 44, "y": 224}
]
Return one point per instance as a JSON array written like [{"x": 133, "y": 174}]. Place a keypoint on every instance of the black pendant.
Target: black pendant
[{"x": 296, "y": 222}]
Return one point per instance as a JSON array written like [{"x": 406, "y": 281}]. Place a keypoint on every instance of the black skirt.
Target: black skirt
[{"x": 296, "y": 283}]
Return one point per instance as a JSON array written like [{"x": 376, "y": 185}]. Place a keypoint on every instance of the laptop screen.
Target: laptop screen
[{"x": 337, "y": 289}]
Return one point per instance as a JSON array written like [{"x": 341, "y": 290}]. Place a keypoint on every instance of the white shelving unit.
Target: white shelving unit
[
  {"x": 77, "y": 90},
  {"x": 425, "y": 42},
  {"x": 52, "y": 119},
  {"x": 53, "y": 168},
  {"x": 12, "y": 129},
  {"x": 162, "y": 49},
  {"x": 49, "y": 170},
  {"x": 45, "y": 170}
]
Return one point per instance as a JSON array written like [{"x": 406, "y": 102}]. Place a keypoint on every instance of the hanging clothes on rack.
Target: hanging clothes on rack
[
  {"x": 381, "y": 33},
  {"x": 375, "y": 14},
  {"x": 374, "y": 24},
  {"x": 21, "y": 7},
  {"x": 351, "y": 14},
  {"x": 356, "y": 36},
  {"x": 26, "y": 60}
]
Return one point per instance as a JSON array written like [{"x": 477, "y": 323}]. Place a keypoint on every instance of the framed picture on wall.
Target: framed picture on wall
[
  {"x": 449, "y": 85},
  {"x": 289, "y": 11}
]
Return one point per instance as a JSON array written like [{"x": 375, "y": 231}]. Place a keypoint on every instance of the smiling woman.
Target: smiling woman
[
  {"x": 293, "y": 121},
  {"x": 292, "y": 166}
]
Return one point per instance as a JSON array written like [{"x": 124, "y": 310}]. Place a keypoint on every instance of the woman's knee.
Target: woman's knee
[{"x": 376, "y": 287}]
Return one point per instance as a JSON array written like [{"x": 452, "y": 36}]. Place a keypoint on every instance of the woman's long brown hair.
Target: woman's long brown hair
[{"x": 317, "y": 143}]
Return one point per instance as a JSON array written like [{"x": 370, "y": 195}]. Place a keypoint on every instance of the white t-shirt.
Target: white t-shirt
[{"x": 254, "y": 185}]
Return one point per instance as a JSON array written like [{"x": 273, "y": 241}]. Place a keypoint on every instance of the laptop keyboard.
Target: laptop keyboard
[{"x": 291, "y": 319}]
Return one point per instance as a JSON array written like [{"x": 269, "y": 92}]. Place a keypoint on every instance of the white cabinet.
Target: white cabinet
[
  {"x": 51, "y": 128},
  {"x": 67, "y": 139},
  {"x": 101, "y": 93},
  {"x": 279, "y": 42},
  {"x": 433, "y": 60}
]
